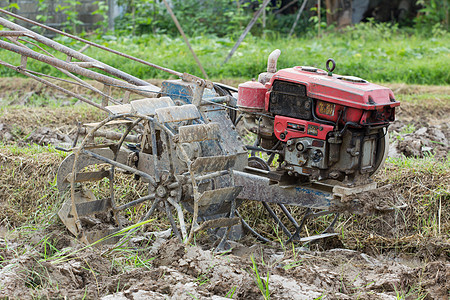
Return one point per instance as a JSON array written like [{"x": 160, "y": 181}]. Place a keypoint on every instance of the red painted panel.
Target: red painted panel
[{"x": 296, "y": 128}]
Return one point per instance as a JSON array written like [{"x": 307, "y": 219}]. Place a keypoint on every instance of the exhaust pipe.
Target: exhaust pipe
[
  {"x": 271, "y": 67},
  {"x": 272, "y": 61}
]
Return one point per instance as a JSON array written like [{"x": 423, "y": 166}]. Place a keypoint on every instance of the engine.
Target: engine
[{"x": 323, "y": 126}]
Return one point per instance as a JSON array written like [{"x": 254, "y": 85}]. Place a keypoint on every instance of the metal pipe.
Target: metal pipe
[
  {"x": 12, "y": 33},
  {"x": 252, "y": 231},
  {"x": 71, "y": 67},
  {"x": 111, "y": 135},
  {"x": 172, "y": 221},
  {"x": 275, "y": 217},
  {"x": 87, "y": 58},
  {"x": 53, "y": 85},
  {"x": 272, "y": 61},
  {"x": 136, "y": 202},
  {"x": 122, "y": 166},
  {"x": 200, "y": 178},
  {"x": 180, "y": 216}
]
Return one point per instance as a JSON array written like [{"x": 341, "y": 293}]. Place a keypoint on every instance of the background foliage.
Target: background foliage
[{"x": 380, "y": 52}]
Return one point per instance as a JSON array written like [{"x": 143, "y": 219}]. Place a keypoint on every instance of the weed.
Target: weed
[
  {"x": 230, "y": 293},
  {"x": 409, "y": 128},
  {"x": 262, "y": 284},
  {"x": 293, "y": 264},
  {"x": 124, "y": 232}
]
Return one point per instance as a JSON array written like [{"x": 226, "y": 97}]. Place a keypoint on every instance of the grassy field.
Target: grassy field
[{"x": 376, "y": 52}]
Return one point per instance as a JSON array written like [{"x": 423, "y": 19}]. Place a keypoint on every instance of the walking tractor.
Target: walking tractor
[{"x": 317, "y": 139}]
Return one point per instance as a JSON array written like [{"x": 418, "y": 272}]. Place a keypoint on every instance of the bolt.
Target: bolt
[
  {"x": 334, "y": 174},
  {"x": 164, "y": 177},
  {"x": 300, "y": 147},
  {"x": 161, "y": 191}
]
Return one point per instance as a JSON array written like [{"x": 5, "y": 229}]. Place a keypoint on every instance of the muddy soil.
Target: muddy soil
[
  {"x": 376, "y": 256},
  {"x": 179, "y": 272}
]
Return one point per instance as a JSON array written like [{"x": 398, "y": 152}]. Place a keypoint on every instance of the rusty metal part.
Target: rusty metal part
[
  {"x": 259, "y": 188},
  {"x": 65, "y": 168},
  {"x": 149, "y": 106},
  {"x": 177, "y": 113},
  {"x": 333, "y": 65},
  {"x": 168, "y": 177},
  {"x": 111, "y": 135},
  {"x": 121, "y": 166},
  {"x": 197, "y": 133},
  {"x": 222, "y": 222}
]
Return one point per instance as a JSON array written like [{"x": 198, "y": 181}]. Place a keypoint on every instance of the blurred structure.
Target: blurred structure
[
  {"x": 54, "y": 13},
  {"x": 346, "y": 12}
]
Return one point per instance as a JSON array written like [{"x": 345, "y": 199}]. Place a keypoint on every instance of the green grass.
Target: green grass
[
  {"x": 376, "y": 52},
  {"x": 438, "y": 97},
  {"x": 32, "y": 150},
  {"x": 262, "y": 283}
]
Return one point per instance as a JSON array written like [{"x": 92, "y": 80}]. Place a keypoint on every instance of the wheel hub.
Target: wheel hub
[{"x": 161, "y": 191}]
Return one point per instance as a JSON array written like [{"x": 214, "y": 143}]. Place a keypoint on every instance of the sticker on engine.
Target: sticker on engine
[
  {"x": 313, "y": 129},
  {"x": 325, "y": 108}
]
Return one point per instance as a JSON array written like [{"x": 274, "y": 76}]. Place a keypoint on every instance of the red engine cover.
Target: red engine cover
[{"x": 350, "y": 98}]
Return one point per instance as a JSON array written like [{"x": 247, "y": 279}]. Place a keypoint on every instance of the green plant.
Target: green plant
[
  {"x": 70, "y": 10},
  {"x": 409, "y": 128},
  {"x": 43, "y": 14},
  {"x": 360, "y": 52},
  {"x": 11, "y": 6},
  {"x": 124, "y": 233},
  {"x": 432, "y": 14},
  {"x": 262, "y": 284},
  {"x": 219, "y": 17},
  {"x": 102, "y": 11},
  {"x": 230, "y": 293},
  {"x": 317, "y": 20},
  {"x": 48, "y": 248}
]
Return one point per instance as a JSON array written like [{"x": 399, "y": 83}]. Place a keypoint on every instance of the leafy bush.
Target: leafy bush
[
  {"x": 219, "y": 17},
  {"x": 433, "y": 14}
]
